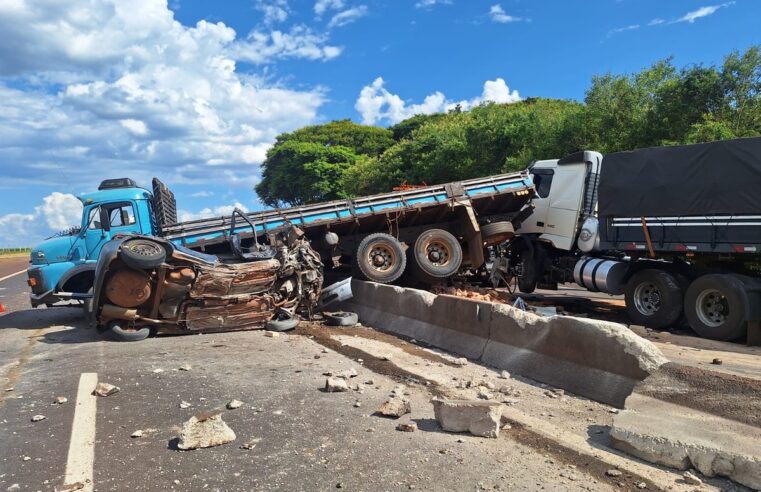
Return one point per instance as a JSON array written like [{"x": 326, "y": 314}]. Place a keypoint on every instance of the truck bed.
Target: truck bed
[{"x": 499, "y": 194}]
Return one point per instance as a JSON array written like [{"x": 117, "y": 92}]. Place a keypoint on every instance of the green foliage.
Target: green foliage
[{"x": 660, "y": 105}]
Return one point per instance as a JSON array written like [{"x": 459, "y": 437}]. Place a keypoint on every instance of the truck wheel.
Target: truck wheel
[
  {"x": 341, "y": 318},
  {"x": 653, "y": 299},
  {"x": 122, "y": 333},
  {"x": 380, "y": 258},
  {"x": 285, "y": 324},
  {"x": 437, "y": 254},
  {"x": 497, "y": 233},
  {"x": 142, "y": 254},
  {"x": 716, "y": 307}
]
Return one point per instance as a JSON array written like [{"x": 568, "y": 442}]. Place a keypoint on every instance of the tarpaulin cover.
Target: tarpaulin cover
[{"x": 702, "y": 179}]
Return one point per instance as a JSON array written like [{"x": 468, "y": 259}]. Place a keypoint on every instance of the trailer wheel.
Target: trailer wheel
[
  {"x": 142, "y": 254},
  {"x": 654, "y": 299},
  {"x": 380, "y": 258},
  {"x": 716, "y": 307},
  {"x": 122, "y": 333},
  {"x": 497, "y": 233},
  {"x": 437, "y": 254}
]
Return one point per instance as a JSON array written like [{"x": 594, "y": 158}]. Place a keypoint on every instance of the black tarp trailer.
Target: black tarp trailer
[{"x": 688, "y": 220}]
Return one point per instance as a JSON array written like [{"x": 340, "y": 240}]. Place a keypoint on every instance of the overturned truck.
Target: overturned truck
[{"x": 147, "y": 285}]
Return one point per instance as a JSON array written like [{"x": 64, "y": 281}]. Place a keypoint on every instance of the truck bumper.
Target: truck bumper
[{"x": 51, "y": 297}]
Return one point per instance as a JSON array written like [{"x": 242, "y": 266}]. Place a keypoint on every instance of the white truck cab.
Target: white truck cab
[{"x": 566, "y": 198}]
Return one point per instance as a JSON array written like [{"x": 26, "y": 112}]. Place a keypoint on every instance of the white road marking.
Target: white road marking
[
  {"x": 12, "y": 275},
  {"x": 80, "y": 463}
]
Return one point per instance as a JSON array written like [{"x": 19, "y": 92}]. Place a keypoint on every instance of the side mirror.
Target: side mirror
[{"x": 105, "y": 220}]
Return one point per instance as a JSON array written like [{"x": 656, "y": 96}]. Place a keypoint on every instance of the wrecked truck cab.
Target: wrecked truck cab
[{"x": 146, "y": 285}]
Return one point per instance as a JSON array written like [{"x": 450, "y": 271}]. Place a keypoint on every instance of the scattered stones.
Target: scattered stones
[
  {"x": 691, "y": 478},
  {"x": 717, "y": 362},
  {"x": 613, "y": 410},
  {"x": 136, "y": 434},
  {"x": 395, "y": 407},
  {"x": 399, "y": 390},
  {"x": 407, "y": 427},
  {"x": 462, "y": 361},
  {"x": 60, "y": 400},
  {"x": 26, "y": 458},
  {"x": 158, "y": 371},
  {"x": 504, "y": 375},
  {"x": 480, "y": 418},
  {"x": 205, "y": 431},
  {"x": 614, "y": 473},
  {"x": 325, "y": 351},
  {"x": 271, "y": 334},
  {"x": 484, "y": 394},
  {"x": 641, "y": 485},
  {"x": 348, "y": 373},
  {"x": 250, "y": 444},
  {"x": 14, "y": 486},
  {"x": 105, "y": 389},
  {"x": 334, "y": 385},
  {"x": 186, "y": 367},
  {"x": 233, "y": 404},
  {"x": 184, "y": 404},
  {"x": 357, "y": 404},
  {"x": 38, "y": 418},
  {"x": 369, "y": 381}
]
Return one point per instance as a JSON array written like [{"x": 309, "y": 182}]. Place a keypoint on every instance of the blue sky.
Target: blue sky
[{"x": 195, "y": 91}]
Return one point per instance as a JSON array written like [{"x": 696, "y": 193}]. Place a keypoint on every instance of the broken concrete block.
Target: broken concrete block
[
  {"x": 334, "y": 385},
  {"x": 395, "y": 407},
  {"x": 407, "y": 427},
  {"x": 480, "y": 418},
  {"x": 271, "y": 334},
  {"x": 205, "y": 431},
  {"x": 136, "y": 434},
  {"x": 105, "y": 389},
  {"x": 233, "y": 404}
]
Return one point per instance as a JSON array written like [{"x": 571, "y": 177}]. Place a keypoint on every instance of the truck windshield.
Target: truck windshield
[{"x": 119, "y": 214}]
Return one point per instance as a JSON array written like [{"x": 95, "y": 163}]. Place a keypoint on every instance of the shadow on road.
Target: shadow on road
[{"x": 72, "y": 327}]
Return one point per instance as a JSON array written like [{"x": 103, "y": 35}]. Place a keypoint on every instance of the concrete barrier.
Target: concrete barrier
[{"x": 596, "y": 359}]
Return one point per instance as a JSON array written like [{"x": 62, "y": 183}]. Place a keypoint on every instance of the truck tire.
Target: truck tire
[
  {"x": 497, "y": 233},
  {"x": 380, "y": 258},
  {"x": 654, "y": 299},
  {"x": 437, "y": 254},
  {"x": 286, "y": 324},
  {"x": 717, "y": 307},
  {"x": 142, "y": 254},
  {"x": 117, "y": 331},
  {"x": 341, "y": 318}
]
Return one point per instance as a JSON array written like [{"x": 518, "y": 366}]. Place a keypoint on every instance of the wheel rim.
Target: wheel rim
[
  {"x": 144, "y": 249},
  {"x": 712, "y": 308},
  {"x": 381, "y": 258},
  {"x": 647, "y": 298},
  {"x": 438, "y": 253}
]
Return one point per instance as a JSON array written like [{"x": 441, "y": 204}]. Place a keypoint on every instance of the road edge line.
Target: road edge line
[
  {"x": 12, "y": 275},
  {"x": 81, "y": 457}
]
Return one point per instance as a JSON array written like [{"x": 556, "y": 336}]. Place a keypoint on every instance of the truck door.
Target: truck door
[
  {"x": 105, "y": 221},
  {"x": 536, "y": 222}
]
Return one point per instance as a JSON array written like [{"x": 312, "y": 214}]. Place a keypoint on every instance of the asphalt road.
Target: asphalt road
[{"x": 309, "y": 440}]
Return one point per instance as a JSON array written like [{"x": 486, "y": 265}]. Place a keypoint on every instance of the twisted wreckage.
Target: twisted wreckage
[{"x": 147, "y": 284}]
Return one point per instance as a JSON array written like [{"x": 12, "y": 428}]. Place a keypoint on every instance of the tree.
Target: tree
[
  {"x": 296, "y": 173},
  {"x": 361, "y": 139}
]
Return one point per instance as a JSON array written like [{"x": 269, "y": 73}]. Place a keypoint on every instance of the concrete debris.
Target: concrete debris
[
  {"x": 369, "y": 381},
  {"x": 480, "y": 418},
  {"x": 250, "y": 444},
  {"x": 717, "y": 362},
  {"x": 333, "y": 385},
  {"x": 38, "y": 418},
  {"x": 348, "y": 373},
  {"x": 14, "y": 486},
  {"x": 691, "y": 478},
  {"x": 461, "y": 361},
  {"x": 484, "y": 394},
  {"x": 136, "y": 434},
  {"x": 205, "y": 432},
  {"x": 271, "y": 334},
  {"x": 395, "y": 407},
  {"x": 504, "y": 375},
  {"x": 641, "y": 485},
  {"x": 357, "y": 404},
  {"x": 184, "y": 404},
  {"x": 26, "y": 458},
  {"x": 186, "y": 367},
  {"x": 158, "y": 371},
  {"x": 614, "y": 473},
  {"x": 233, "y": 404},
  {"x": 60, "y": 400},
  {"x": 105, "y": 389},
  {"x": 407, "y": 427}
]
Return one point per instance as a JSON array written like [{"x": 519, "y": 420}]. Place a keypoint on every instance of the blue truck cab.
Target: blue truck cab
[{"x": 62, "y": 267}]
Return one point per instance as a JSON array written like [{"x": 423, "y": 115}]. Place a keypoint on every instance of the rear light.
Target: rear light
[{"x": 32, "y": 282}]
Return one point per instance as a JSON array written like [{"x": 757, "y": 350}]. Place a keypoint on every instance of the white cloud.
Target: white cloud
[
  {"x": 322, "y": 6},
  {"x": 347, "y": 16},
  {"x": 624, "y": 29},
  {"x": 58, "y": 211},
  {"x": 273, "y": 10},
  {"x": 207, "y": 213},
  {"x": 89, "y": 89},
  {"x": 202, "y": 194},
  {"x": 702, "y": 12},
  {"x": 498, "y": 14},
  {"x": 431, "y": 3},
  {"x": 655, "y": 22},
  {"x": 376, "y": 104}
]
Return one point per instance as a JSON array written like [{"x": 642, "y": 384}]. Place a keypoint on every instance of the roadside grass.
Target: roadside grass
[{"x": 14, "y": 252}]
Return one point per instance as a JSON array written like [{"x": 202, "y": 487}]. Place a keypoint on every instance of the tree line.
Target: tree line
[{"x": 660, "y": 105}]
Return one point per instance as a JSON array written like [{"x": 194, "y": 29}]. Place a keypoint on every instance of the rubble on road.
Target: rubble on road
[
  {"x": 271, "y": 334},
  {"x": 335, "y": 385},
  {"x": 38, "y": 418},
  {"x": 480, "y": 418},
  {"x": 185, "y": 367},
  {"x": 407, "y": 427},
  {"x": 250, "y": 444},
  {"x": 205, "y": 431},
  {"x": 395, "y": 407},
  {"x": 614, "y": 473},
  {"x": 136, "y": 434},
  {"x": 184, "y": 404},
  {"x": 105, "y": 389},
  {"x": 233, "y": 404},
  {"x": 60, "y": 400},
  {"x": 691, "y": 478}
]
